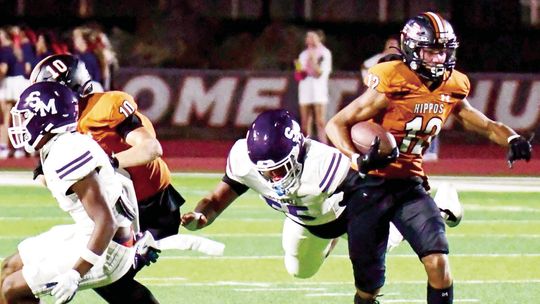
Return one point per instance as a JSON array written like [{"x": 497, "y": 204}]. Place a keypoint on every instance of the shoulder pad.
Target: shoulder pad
[{"x": 461, "y": 84}]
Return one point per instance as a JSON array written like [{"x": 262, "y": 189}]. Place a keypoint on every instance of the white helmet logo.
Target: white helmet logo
[
  {"x": 293, "y": 134},
  {"x": 39, "y": 105}
]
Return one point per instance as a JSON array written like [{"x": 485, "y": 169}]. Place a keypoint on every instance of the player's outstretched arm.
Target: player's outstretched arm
[
  {"x": 474, "y": 120},
  {"x": 210, "y": 207}
]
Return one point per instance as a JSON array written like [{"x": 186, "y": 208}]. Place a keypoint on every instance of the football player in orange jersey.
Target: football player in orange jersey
[
  {"x": 411, "y": 98},
  {"x": 128, "y": 137}
]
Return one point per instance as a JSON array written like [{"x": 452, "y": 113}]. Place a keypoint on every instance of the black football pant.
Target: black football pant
[{"x": 403, "y": 202}]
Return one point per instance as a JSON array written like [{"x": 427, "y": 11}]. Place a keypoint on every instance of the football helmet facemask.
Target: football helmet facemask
[
  {"x": 431, "y": 33},
  {"x": 275, "y": 147},
  {"x": 65, "y": 69},
  {"x": 44, "y": 107}
]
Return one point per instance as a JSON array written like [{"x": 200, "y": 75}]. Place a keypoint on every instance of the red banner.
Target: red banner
[{"x": 200, "y": 104}]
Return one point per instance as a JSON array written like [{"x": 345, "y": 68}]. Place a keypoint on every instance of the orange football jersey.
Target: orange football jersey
[
  {"x": 414, "y": 114},
  {"x": 100, "y": 117}
]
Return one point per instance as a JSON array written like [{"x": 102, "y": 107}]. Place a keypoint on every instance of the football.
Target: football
[{"x": 363, "y": 134}]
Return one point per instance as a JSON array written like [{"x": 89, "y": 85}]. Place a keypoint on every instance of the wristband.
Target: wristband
[
  {"x": 194, "y": 224},
  {"x": 197, "y": 216},
  {"x": 89, "y": 256},
  {"x": 512, "y": 137}
]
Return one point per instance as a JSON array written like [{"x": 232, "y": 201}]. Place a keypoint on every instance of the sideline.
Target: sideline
[{"x": 462, "y": 183}]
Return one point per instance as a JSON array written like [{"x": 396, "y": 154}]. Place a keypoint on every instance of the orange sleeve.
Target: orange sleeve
[
  {"x": 107, "y": 109},
  {"x": 461, "y": 83},
  {"x": 379, "y": 77},
  {"x": 118, "y": 106}
]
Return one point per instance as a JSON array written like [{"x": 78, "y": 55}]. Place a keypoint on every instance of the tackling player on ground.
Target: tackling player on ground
[
  {"x": 411, "y": 98},
  {"x": 99, "y": 247},
  {"x": 310, "y": 182}
]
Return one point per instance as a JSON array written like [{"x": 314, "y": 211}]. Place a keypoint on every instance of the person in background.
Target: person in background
[
  {"x": 5, "y": 49},
  {"x": 106, "y": 56},
  {"x": 15, "y": 66},
  {"x": 43, "y": 47},
  {"x": 23, "y": 38},
  {"x": 312, "y": 70},
  {"x": 391, "y": 46},
  {"x": 81, "y": 48}
]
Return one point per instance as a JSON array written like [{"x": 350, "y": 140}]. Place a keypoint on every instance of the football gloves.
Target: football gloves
[
  {"x": 372, "y": 160},
  {"x": 114, "y": 162},
  {"x": 66, "y": 286},
  {"x": 146, "y": 250},
  {"x": 37, "y": 171},
  {"x": 519, "y": 148}
]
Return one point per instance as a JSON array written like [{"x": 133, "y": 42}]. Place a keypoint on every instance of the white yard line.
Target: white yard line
[
  {"x": 467, "y": 183},
  {"x": 424, "y": 301},
  {"x": 269, "y": 289},
  {"x": 278, "y": 235},
  {"x": 166, "y": 281},
  {"x": 344, "y": 256}
]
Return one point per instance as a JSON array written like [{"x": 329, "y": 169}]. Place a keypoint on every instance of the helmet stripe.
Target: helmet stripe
[{"x": 438, "y": 23}]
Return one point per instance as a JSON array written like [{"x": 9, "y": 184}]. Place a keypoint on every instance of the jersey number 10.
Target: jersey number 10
[{"x": 126, "y": 108}]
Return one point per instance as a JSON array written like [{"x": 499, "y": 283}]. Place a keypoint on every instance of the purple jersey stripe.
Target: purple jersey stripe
[
  {"x": 328, "y": 171},
  {"x": 333, "y": 174},
  {"x": 73, "y": 162},
  {"x": 80, "y": 164}
]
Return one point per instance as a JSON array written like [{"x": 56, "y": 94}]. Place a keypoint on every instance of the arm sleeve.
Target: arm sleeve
[
  {"x": 129, "y": 124},
  {"x": 379, "y": 74},
  {"x": 239, "y": 188}
]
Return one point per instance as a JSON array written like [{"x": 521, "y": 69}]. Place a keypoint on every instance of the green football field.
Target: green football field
[{"x": 495, "y": 251}]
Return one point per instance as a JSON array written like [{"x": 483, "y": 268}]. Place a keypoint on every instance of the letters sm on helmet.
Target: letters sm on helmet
[
  {"x": 65, "y": 69},
  {"x": 275, "y": 145},
  {"x": 44, "y": 107},
  {"x": 429, "y": 32}
]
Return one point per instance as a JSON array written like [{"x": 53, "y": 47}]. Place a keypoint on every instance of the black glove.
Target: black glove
[
  {"x": 114, "y": 162},
  {"x": 149, "y": 257},
  {"x": 37, "y": 171},
  {"x": 373, "y": 160},
  {"x": 519, "y": 148}
]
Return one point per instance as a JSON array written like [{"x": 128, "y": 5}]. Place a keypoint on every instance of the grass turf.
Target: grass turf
[{"x": 495, "y": 253}]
